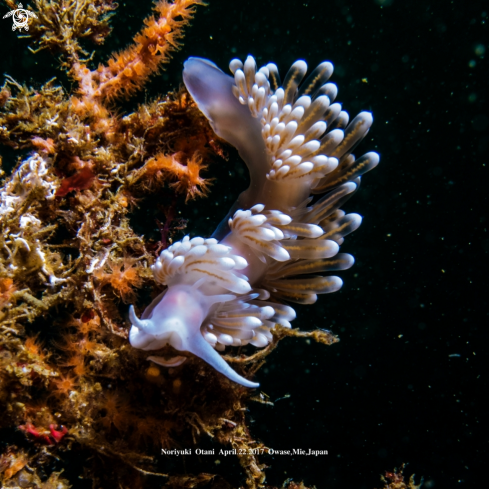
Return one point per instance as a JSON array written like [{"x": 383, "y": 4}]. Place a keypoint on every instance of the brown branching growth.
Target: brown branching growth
[
  {"x": 28, "y": 113},
  {"x": 17, "y": 464},
  {"x": 395, "y": 480},
  {"x": 61, "y": 24},
  {"x": 279, "y": 332},
  {"x": 172, "y": 117}
]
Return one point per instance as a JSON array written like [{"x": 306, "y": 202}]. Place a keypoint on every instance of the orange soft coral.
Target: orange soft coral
[
  {"x": 115, "y": 411},
  {"x": 64, "y": 386},
  {"x": 34, "y": 347},
  {"x": 188, "y": 179},
  {"x": 77, "y": 362},
  {"x": 123, "y": 277},
  {"x": 128, "y": 71},
  {"x": 88, "y": 323}
]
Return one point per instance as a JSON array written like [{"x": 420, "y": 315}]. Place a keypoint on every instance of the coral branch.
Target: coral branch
[
  {"x": 187, "y": 179},
  {"x": 128, "y": 71}
]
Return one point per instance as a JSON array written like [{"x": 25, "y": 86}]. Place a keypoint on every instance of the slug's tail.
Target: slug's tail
[{"x": 201, "y": 348}]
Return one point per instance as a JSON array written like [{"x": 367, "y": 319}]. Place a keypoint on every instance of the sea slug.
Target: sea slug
[{"x": 274, "y": 246}]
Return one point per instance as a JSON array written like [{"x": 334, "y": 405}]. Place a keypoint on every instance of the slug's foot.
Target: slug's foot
[{"x": 171, "y": 362}]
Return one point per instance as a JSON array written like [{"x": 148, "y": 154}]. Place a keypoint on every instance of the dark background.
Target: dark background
[{"x": 407, "y": 380}]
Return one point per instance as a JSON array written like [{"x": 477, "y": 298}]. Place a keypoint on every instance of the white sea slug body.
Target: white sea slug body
[{"x": 273, "y": 247}]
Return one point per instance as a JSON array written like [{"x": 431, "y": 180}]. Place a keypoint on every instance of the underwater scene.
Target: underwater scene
[{"x": 243, "y": 244}]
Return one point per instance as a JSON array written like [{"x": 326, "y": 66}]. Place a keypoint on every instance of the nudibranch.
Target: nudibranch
[{"x": 277, "y": 241}]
